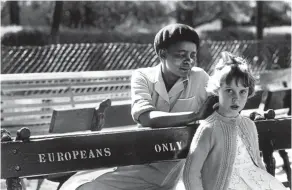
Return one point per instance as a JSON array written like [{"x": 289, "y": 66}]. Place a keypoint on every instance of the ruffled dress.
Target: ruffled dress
[{"x": 246, "y": 175}]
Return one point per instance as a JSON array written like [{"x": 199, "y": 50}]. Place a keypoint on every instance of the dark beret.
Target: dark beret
[{"x": 173, "y": 33}]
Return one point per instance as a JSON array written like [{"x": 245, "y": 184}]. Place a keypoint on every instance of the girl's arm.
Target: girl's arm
[
  {"x": 199, "y": 149},
  {"x": 257, "y": 149}
]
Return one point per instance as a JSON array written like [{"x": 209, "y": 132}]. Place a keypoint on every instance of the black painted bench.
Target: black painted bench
[{"x": 39, "y": 156}]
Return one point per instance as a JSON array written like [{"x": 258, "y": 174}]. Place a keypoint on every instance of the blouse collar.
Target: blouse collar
[{"x": 229, "y": 120}]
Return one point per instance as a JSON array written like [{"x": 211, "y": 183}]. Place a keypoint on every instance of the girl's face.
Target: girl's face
[
  {"x": 232, "y": 98},
  {"x": 180, "y": 58}
]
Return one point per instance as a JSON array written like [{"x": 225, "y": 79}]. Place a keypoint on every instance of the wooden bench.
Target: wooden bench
[
  {"x": 58, "y": 153},
  {"x": 276, "y": 85},
  {"x": 73, "y": 120},
  {"x": 29, "y": 99},
  {"x": 275, "y": 94}
]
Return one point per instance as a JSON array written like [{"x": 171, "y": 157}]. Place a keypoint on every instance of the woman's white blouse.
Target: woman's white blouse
[{"x": 247, "y": 176}]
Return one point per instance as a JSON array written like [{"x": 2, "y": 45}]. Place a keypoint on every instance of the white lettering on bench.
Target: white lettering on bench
[
  {"x": 60, "y": 156},
  {"x": 168, "y": 147},
  {"x": 51, "y": 157},
  {"x": 74, "y": 155},
  {"x": 83, "y": 154},
  {"x": 67, "y": 156},
  {"x": 42, "y": 158}
]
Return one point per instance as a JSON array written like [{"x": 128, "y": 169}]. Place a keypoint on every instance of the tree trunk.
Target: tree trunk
[
  {"x": 185, "y": 17},
  {"x": 184, "y": 14},
  {"x": 14, "y": 13},
  {"x": 259, "y": 20},
  {"x": 57, "y": 17},
  {"x": 259, "y": 32}
]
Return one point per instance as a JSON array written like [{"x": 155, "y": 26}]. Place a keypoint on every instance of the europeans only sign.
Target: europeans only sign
[
  {"x": 65, "y": 153},
  {"x": 73, "y": 155}
]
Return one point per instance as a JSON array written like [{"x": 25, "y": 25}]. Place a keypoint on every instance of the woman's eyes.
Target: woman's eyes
[
  {"x": 184, "y": 55},
  {"x": 180, "y": 55}
]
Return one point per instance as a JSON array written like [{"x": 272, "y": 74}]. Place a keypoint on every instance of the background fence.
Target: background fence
[
  {"x": 82, "y": 75},
  {"x": 125, "y": 56},
  {"x": 261, "y": 55}
]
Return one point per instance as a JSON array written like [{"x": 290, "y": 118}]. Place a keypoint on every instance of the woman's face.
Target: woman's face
[
  {"x": 180, "y": 58},
  {"x": 232, "y": 98}
]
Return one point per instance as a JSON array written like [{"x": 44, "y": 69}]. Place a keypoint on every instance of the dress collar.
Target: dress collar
[
  {"x": 229, "y": 120},
  {"x": 158, "y": 75}
]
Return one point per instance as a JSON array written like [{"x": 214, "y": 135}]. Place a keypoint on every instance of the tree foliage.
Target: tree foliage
[
  {"x": 196, "y": 13},
  {"x": 105, "y": 15},
  {"x": 111, "y": 14}
]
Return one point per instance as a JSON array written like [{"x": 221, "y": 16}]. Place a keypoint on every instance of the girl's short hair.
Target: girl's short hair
[{"x": 231, "y": 67}]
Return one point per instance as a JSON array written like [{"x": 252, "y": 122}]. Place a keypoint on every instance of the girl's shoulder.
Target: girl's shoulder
[
  {"x": 209, "y": 129},
  {"x": 205, "y": 129},
  {"x": 207, "y": 124},
  {"x": 247, "y": 121},
  {"x": 249, "y": 125},
  {"x": 212, "y": 120}
]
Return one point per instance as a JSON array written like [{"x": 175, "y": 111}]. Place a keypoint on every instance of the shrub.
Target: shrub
[
  {"x": 25, "y": 36},
  {"x": 41, "y": 36}
]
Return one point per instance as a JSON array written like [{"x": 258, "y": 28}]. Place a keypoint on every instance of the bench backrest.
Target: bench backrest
[
  {"x": 28, "y": 99},
  {"x": 276, "y": 85},
  {"x": 276, "y": 80},
  {"x": 72, "y": 120}
]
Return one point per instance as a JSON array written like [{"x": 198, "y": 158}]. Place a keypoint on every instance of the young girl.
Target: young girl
[{"x": 224, "y": 153}]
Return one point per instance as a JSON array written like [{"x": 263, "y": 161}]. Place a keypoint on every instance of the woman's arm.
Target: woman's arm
[
  {"x": 144, "y": 112},
  {"x": 159, "y": 119},
  {"x": 200, "y": 147}
]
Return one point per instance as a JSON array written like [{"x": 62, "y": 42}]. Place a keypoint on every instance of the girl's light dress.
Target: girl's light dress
[{"x": 247, "y": 176}]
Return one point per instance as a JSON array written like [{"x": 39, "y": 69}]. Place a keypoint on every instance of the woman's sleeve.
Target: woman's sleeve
[
  {"x": 204, "y": 82},
  {"x": 199, "y": 149},
  {"x": 140, "y": 95}
]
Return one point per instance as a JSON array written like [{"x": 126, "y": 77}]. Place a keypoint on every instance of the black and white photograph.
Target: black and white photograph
[{"x": 145, "y": 95}]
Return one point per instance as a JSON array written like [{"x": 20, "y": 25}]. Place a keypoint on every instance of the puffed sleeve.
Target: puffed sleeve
[
  {"x": 199, "y": 149},
  {"x": 205, "y": 81},
  {"x": 140, "y": 95},
  {"x": 204, "y": 78}
]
